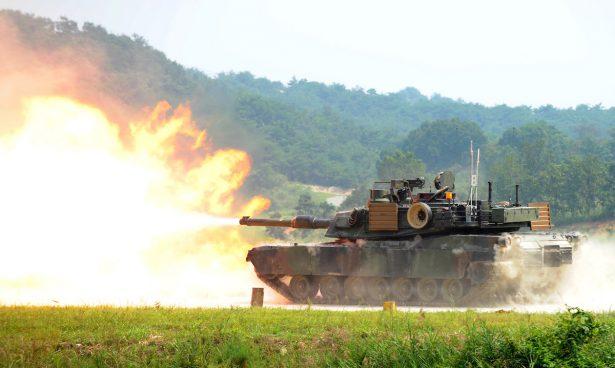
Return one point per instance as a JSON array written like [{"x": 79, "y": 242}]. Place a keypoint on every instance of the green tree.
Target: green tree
[
  {"x": 276, "y": 232},
  {"x": 549, "y": 166},
  {"x": 357, "y": 198},
  {"x": 305, "y": 205},
  {"x": 443, "y": 143},
  {"x": 398, "y": 165},
  {"x": 325, "y": 209},
  {"x": 505, "y": 171},
  {"x": 538, "y": 143}
]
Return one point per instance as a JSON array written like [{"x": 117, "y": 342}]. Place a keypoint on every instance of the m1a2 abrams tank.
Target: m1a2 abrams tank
[{"x": 424, "y": 248}]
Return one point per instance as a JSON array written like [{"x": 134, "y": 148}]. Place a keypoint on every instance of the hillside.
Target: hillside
[
  {"x": 407, "y": 109},
  {"x": 314, "y": 133}
]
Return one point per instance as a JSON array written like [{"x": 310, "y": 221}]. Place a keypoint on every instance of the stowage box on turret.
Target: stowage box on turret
[{"x": 424, "y": 248}]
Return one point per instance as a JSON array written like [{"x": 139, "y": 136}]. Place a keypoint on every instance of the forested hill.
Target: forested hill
[
  {"x": 315, "y": 133},
  {"x": 408, "y": 108}
]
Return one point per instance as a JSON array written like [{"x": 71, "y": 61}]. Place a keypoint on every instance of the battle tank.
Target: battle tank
[{"x": 424, "y": 248}]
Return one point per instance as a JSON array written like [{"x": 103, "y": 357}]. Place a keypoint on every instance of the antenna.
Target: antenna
[
  {"x": 471, "y": 172},
  {"x": 476, "y": 174},
  {"x": 490, "y": 191},
  {"x": 473, "y": 197}
]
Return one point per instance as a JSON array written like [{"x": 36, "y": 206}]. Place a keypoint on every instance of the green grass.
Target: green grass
[{"x": 131, "y": 337}]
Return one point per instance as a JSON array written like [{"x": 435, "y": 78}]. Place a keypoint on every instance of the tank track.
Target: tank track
[
  {"x": 278, "y": 286},
  {"x": 489, "y": 293}
]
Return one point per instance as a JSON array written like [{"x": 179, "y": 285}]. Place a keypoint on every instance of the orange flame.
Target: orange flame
[
  {"x": 92, "y": 214},
  {"x": 207, "y": 182}
]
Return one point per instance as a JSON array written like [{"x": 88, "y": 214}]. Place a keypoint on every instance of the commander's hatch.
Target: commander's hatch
[{"x": 544, "y": 216}]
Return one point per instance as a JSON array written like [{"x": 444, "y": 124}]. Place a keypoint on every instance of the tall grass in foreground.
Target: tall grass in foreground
[{"x": 161, "y": 337}]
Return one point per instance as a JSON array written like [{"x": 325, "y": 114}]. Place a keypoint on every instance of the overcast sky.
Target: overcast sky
[{"x": 492, "y": 52}]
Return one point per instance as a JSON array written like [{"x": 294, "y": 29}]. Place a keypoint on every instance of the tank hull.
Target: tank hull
[{"x": 431, "y": 270}]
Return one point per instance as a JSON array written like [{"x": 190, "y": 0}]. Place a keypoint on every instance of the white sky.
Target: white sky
[{"x": 514, "y": 52}]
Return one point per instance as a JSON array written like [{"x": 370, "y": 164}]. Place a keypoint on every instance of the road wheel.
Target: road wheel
[
  {"x": 479, "y": 272},
  {"x": 402, "y": 289},
  {"x": 452, "y": 290},
  {"x": 378, "y": 289},
  {"x": 331, "y": 289},
  {"x": 302, "y": 288},
  {"x": 355, "y": 288},
  {"x": 427, "y": 290}
]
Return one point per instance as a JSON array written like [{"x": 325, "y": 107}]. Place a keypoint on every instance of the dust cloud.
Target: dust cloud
[{"x": 590, "y": 281}]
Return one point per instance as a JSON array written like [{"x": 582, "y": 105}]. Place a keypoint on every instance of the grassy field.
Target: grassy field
[{"x": 135, "y": 337}]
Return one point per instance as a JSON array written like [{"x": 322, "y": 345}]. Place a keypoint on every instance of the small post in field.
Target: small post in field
[
  {"x": 257, "y": 297},
  {"x": 389, "y": 306}
]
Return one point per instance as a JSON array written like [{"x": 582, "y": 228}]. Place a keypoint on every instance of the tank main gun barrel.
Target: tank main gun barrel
[{"x": 297, "y": 222}]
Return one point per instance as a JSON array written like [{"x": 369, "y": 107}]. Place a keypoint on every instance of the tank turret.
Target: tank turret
[{"x": 396, "y": 210}]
